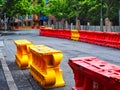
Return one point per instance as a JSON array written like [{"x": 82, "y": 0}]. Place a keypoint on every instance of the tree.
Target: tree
[
  {"x": 112, "y": 7},
  {"x": 56, "y": 8},
  {"x": 18, "y": 7},
  {"x": 1, "y": 3},
  {"x": 85, "y": 10},
  {"x": 40, "y": 7},
  {"x": 2, "y": 6},
  {"x": 14, "y": 8}
]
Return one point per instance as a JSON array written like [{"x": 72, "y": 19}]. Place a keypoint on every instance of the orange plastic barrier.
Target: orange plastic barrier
[
  {"x": 45, "y": 66},
  {"x": 23, "y": 55},
  {"x": 91, "y": 73},
  {"x": 75, "y": 35}
]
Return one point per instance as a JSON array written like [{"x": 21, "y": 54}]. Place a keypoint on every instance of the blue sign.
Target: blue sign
[
  {"x": 29, "y": 16},
  {"x": 43, "y": 18}
]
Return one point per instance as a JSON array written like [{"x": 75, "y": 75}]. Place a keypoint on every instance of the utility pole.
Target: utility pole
[
  {"x": 119, "y": 19},
  {"x": 101, "y": 17},
  {"x": 5, "y": 23}
]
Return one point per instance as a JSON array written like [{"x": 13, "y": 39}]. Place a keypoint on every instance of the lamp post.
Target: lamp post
[{"x": 101, "y": 17}]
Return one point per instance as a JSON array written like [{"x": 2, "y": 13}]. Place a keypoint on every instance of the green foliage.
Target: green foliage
[
  {"x": 19, "y": 7},
  {"x": 40, "y": 7},
  {"x": 85, "y": 10},
  {"x": 1, "y": 3}
]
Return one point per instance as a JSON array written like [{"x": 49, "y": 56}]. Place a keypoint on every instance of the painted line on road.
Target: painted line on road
[{"x": 7, "y": 73}]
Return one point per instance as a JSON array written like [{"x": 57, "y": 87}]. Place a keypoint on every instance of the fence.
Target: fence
[
  {"x": 85, "y": 27},
  {"x": 82, "y": 27}
]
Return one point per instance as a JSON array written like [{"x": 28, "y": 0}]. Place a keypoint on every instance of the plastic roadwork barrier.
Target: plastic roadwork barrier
[
  {"x": 110, "y": 39},
  {"x": 23, "y": 56},
  {"x": 91, "y": 73},
  {"x": 75, "y": 35},
  {"x": 45, "y": 67}
]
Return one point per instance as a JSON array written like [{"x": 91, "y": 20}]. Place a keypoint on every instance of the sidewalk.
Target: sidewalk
[
  {"x": 3, "y": 82},
  {"x": 13, "y": 77},
  {"x": 6, "y": 79}
]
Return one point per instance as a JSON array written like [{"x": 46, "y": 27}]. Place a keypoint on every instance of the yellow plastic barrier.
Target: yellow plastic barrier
[
  {"x": 75, "y": 35},
  {"x": 23, "y": 55},
  {"x": 45, "y": 66}
]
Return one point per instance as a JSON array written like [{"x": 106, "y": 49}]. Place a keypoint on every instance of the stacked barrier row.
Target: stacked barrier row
[
  {"x": 110, "y": 39},
  {"x": 58, "y": 33}
]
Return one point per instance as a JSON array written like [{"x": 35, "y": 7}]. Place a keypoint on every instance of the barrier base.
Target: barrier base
[
  {"x": 22, "y": 62},
  {"x": 49, "y": 80}
]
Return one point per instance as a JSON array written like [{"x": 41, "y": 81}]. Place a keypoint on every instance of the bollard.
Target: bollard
[
  {"x": 91, "y": 73},
  {"x": 45, "y": 66},
  {"x": 23, "y": 56}
]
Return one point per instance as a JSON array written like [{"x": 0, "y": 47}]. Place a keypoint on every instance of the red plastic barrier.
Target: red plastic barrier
[
  {"x": 33, "y": 27},
  {"x": 91, "y": 73},
  {"x": 87, "y": 36},
  {"x": 38, "y": 27},
  {"x": 16, "y": 27},
  {"x": 91, "y": 37},
  {"x": 118, "y": 44},
  {"x": 83, "y": 35},
  {"x": 42, "y": 31},
  {"x": 47, "y": 32},
  {"x": 67, "y": 33},
  {"x": 100, "y": 38},
  {"x": 111, "y": 39},
  {"x": 60, "y": 33},
  {"x": 53, "y": 33}
]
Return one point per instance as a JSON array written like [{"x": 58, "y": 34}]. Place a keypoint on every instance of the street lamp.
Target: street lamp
[{"x": 101, "y": 17}]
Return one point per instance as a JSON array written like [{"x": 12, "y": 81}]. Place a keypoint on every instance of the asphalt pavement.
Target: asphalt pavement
[{"x": 12, "y": 78}]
